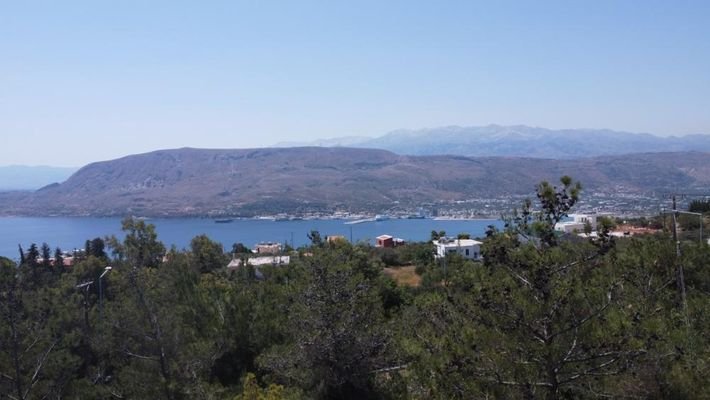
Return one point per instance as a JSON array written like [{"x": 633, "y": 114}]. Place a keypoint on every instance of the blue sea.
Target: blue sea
[{"x": 71, "y": 233}]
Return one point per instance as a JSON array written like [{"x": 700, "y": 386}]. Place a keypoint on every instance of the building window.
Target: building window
[{"x": 466, "y": 251}]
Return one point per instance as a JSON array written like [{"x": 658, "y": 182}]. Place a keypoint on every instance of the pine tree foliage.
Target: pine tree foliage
[{"x": 543, "y": 316}]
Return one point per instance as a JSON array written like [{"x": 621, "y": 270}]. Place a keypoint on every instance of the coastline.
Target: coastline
[{"x": 357, "y": 219}]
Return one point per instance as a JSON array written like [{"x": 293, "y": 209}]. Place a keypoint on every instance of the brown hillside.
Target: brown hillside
[{"x": 251, "y": 181}]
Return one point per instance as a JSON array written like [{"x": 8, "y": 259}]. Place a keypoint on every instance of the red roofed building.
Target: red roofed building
[{"x": 384, "y": 241}]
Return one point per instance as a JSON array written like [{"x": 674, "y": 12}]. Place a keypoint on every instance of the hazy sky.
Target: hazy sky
[{"x": 94, "y": 80}]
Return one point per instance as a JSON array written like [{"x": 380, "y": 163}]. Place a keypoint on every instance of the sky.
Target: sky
[{"x": 84, "y": 81}]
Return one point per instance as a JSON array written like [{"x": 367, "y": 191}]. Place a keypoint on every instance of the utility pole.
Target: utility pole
[
  {"x": 675, "y": 228},
  {"x": 86, "y": 286},
  {"x": 102, "y": 370},
  {"x": 101, "y": 295},
  {"x": 680, "y": 279}
]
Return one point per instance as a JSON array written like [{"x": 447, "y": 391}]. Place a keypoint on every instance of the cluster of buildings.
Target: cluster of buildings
[
  {"x": 467, "y": 248},
  {"x": 269, "y": 253},
  {"x": 586, "y": 225}
]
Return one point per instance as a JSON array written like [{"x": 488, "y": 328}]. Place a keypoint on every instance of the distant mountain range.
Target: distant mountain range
[
  {"x": 483, "y": 141},
  {"x": 518, "y": 141},
  {"x": 249, "y": 182},
  {"x": 20, "y": 177}
]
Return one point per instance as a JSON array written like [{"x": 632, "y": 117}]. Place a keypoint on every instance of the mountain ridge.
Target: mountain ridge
[
  {"x": 522, "y": 141},
  {"x": 248, "y": 182}
]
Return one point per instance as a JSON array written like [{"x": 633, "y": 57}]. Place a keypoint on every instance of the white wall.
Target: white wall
[{"x": 471, "y": 252}]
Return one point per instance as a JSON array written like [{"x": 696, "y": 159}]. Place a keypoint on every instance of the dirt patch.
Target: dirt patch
[
  {"x": 635, "y": 230},
  {"x": 404, "y": 276}
]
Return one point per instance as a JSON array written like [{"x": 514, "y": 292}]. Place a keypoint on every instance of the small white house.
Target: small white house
[
  {"x": 467, "y": 248},
  {"x": 578, "y": 222}
]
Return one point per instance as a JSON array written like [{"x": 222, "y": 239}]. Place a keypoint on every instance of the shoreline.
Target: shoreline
[{"x": 348, "y": 221}]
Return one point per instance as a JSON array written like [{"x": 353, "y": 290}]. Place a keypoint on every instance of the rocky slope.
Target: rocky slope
[{"x": 257, "y": 181}]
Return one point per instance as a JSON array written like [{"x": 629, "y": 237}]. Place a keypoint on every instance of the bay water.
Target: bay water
[{"x": 71, "y": 233}]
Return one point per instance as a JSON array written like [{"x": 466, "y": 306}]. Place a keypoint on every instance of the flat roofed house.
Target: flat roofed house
[
  {"x": 384, "y": 241},
  {"x": 467, "y": 248},
  {"x": 569, "y": 227},
  {"x": 579, "y": 221}
]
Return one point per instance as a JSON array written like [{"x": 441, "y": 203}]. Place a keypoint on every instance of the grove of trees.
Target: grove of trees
[{"x": 542, "y": 317}]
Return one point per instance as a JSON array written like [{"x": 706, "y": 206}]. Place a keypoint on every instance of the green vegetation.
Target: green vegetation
[
  {"x": 699, "y": 206},
  {"x": 542, "y": 317}
]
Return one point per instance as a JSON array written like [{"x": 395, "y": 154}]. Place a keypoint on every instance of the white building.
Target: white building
[
  {"x": 259, "y": 261},
  {"x": 467, "y": 248},
  {"x": 569, "y": 227},
  {"x": 578, "y": 222},
  {"x": 587, "y": 218}
]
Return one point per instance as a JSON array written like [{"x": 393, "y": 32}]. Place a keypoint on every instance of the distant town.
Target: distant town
[{"x": 620, "y": 204}]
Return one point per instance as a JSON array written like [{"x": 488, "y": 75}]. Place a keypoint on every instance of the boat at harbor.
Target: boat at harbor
[
  {"x": 376, "y": 218},
  {"x": 359, "y": 221}
]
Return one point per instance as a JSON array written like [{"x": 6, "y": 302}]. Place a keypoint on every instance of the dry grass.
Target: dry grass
[{"x": 404, "y": 276}]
